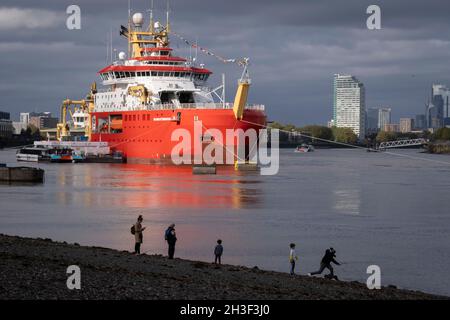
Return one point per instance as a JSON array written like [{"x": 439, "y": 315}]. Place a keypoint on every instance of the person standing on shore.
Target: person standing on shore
[
  {"x": 328, "y": 258},
  {"x": 292, "y": 258},
  {"x": 171, "y": 239},
  {"x": 138, "y": 236},
  {"x": 218, "y": 250}
]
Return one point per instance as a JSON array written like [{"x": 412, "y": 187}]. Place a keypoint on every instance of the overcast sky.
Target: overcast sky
[{"x": 295, "y": 48}]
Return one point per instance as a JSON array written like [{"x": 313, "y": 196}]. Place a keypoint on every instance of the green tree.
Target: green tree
[
  {"x": 318, "y": 132},
  {"x": 32, "y": 130},
  {"x": 442, "y": 134},
  {"x": 276, "y": 125},
  {"x": 384, "y": 136},
  {"x": 344, "y": 135}
]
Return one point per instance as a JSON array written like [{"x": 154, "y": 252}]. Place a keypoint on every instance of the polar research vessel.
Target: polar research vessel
[{"x": 149, "y": 93}]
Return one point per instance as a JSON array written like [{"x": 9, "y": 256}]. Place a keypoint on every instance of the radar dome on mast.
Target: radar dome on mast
[
  {"x": 122, "y": 55},
  {"x": 138, "y": 19}
]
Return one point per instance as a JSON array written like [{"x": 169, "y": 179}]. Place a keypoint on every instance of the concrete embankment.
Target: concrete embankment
[
  {"x": 36, "y": 269},
  {"x": 21, "y": 174}
]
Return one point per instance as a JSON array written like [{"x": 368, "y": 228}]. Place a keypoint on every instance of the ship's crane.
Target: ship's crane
[
  {"x": 86, "y": 105},
  {"x": 244, "y": 82},
  {"x": 240, "y": 100}
]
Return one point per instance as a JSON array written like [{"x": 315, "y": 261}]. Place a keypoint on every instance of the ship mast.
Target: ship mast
[{"x": 139, "y": 39}]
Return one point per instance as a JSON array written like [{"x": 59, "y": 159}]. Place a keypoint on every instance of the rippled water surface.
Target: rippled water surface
[{"x": 373, "y": 208}]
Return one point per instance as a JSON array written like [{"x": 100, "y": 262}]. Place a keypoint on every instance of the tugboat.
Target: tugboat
[{"x": 304, "y": 148}]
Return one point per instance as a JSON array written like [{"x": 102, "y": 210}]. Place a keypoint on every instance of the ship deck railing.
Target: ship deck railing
[{"x": 207, "y": 105}]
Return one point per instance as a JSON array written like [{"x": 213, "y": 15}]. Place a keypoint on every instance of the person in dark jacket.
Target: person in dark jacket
[
  {"x": 328, "y": 258},
  {"x": 138, "y": 236},
  {"x": 171, "y": 239},
  {"x": 218, "y": 250}
]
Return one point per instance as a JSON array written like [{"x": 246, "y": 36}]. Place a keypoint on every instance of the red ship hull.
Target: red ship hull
[{"x": 146, "y": 136}]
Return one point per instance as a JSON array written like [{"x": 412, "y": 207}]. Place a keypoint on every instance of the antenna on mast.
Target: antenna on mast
[
  {"x": 167, "y": 21},
  {"x": 107, "y": 48},
  {"x": 167, "y": 17},
  {"x": 129, "y": 28},
  {"x": 196, "y": 49},
  {"x": 111, "y": 35},
  {"x": 152, "y": 24}
]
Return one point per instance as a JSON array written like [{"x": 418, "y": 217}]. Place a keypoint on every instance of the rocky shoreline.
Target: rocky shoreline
[{"x": 36, "y": 269}]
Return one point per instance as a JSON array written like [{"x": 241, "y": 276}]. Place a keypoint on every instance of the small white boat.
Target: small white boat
[
  {"x": 32, "y": 154},
  {"x": 304, "y": 148}
]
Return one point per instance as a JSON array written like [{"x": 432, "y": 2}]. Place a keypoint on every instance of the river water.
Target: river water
[{"x": 373, "y": 208}]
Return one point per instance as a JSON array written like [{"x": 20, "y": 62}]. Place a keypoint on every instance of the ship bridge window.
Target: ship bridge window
[
  {"x": 167, "y": 96},
  {"x": 164, "y": 53},
  {"x": 186, "y": 97}
]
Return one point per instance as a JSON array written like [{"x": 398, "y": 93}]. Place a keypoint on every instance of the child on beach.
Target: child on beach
[
  {"x": 218, "y": 250},
  {"x": 292, "y": 258}
]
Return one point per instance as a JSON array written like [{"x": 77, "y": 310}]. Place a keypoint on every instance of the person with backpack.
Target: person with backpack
[
  {"x": 218, "y": 250},
  {"x": 328, "y": 258},
  {"x": 171, "y": 238},
  {"x": 136, "y": 230},
  {"x": 292, "y": 258}
]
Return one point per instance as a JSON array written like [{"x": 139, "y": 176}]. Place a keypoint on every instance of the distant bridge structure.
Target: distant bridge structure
[{"x": 402, "y": 143}]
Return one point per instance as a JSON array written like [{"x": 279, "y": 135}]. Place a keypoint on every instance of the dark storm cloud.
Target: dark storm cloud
[{"x": 295, "y": 48}]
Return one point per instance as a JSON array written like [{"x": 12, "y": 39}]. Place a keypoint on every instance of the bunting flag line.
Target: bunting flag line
[{"x": 240, "y": 62}]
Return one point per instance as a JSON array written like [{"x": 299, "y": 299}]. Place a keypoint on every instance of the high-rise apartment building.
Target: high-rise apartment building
[
  {"x": 372, "y": 119},
  {"x": 349, "y": 104},
  {"x": 421, "y": 122},
  {"x": 384, "y": 117},
  {"x": 6, "y": 128},
  {"x": 406, "y": 125},
  {"x": 438, "y": 108}
]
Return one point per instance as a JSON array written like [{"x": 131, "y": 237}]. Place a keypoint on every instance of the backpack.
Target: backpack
[
  {"x": 133, "y": 229},
  {"x": 167, "y": 234}
]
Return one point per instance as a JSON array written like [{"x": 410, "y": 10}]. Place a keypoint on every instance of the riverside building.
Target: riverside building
[{"x": 349, "y": 104}]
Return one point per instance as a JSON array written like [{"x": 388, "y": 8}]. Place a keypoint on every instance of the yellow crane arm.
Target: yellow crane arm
[{"x": 240, "y": 100}]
